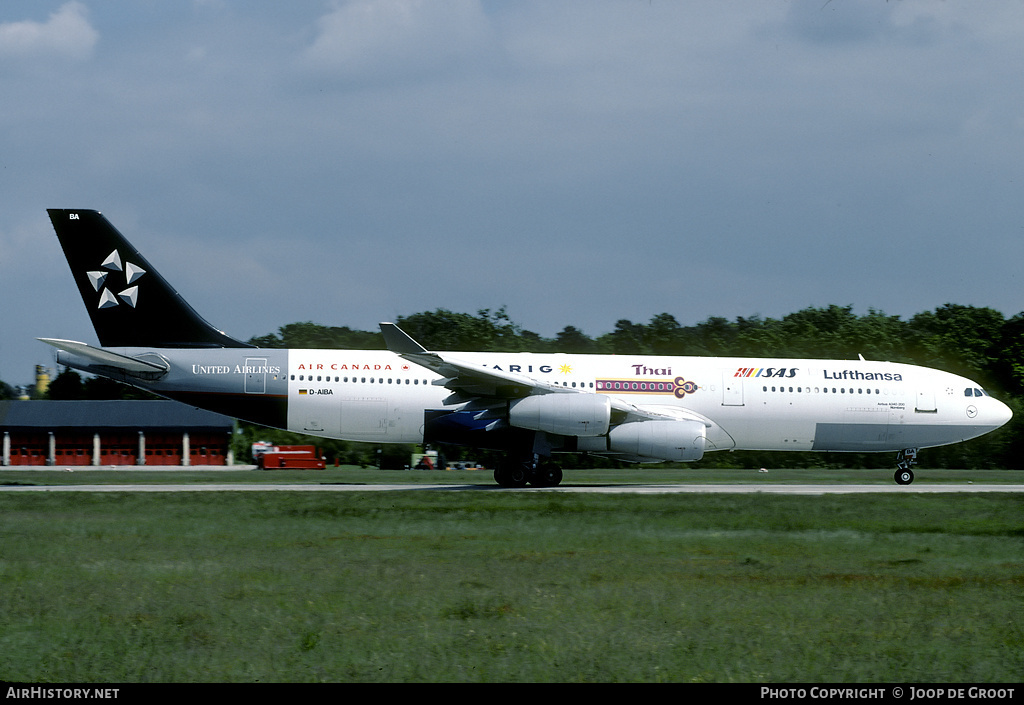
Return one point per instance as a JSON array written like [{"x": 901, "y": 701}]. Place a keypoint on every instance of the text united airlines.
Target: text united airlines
[{"x": 237, "y": 369}]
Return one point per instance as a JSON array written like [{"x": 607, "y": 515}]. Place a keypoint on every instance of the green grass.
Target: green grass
[{"x": 510, "y": 586}]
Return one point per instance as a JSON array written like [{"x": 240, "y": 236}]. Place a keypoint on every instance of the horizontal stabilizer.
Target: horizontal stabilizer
[{"x": 105, "y": 357}]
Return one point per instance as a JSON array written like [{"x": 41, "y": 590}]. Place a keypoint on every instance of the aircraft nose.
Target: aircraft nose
[
  {"x": 992, "y": 414},
  {"x": 1000, "y": 413}
]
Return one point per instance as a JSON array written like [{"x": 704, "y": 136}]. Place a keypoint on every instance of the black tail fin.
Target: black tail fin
[{"x": 130, "y": 304}]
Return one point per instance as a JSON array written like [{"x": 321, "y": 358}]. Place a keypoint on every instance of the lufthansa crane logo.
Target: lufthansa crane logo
[{"x": 108, "y": 279}]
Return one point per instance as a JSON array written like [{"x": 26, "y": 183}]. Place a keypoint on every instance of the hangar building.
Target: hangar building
[{"x": 76, "y": 433}]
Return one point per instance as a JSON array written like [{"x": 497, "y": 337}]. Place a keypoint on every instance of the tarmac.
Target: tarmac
[{"x": 667, "y": 488}]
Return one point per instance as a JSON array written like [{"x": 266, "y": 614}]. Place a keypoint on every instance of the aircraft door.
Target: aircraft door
[
  {"x": 926, "y": 402},
  {"x": 365, "y": 418},
  {"x": 255, "y": 375},
  {"x": 732, "y": 389}
]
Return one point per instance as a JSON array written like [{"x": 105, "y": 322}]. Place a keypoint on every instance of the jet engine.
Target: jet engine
[
  {"x": 563, "y": 414},
  {"x": 682, "y": 441}
]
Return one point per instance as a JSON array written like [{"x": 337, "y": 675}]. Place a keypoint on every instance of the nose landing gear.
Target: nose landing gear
[{"x": 905, "y": 460}]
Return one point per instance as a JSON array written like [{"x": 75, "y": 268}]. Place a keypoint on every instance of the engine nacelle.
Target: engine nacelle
[
  {"x": 563, "y": 414},
  {"x": 681, "y": 441}
]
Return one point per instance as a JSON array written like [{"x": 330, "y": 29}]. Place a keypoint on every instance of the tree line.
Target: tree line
[
  {"x": 979, "y": 343},
  {"x": 976, "y": 342}
]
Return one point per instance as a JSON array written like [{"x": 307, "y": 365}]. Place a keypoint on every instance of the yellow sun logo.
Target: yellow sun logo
[{"x": 565, "y": 369}]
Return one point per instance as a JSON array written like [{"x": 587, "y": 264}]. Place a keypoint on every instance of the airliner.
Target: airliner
[{"x": 528, "y": 406}]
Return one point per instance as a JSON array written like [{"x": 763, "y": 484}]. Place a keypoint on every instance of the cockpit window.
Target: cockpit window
[{"x": 975, "y": 392}]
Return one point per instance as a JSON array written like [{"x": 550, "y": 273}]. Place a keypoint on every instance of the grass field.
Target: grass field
[{"x": 509, "y": 586}]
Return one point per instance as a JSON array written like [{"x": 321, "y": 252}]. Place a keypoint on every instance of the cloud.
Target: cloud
[
  {"x": 395, "y": 37},
  {"x": 67, "y": 33},
  {"x": 839, "y": 22}
]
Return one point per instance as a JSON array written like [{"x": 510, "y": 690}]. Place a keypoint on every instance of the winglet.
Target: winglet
[{"x": 400, "y": 342}]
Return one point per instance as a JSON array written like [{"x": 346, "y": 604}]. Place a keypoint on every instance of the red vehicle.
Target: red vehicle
[{"x": 289, "y": 457}]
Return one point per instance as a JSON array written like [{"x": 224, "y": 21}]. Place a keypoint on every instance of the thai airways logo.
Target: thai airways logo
[
  {"x": 119, "y": 277},
  {"x": 678, "y": 386}
]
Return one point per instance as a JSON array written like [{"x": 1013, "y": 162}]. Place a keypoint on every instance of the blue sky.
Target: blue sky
[{"x": 576, "y": 162}]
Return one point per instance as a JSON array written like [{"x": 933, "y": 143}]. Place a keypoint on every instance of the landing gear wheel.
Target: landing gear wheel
[
  {"x": 511, "y": 474},
  {"x": 905, "y": 459},
  {"x": 547, "y": 475}
]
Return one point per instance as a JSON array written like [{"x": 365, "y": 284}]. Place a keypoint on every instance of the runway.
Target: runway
[{"x": 950, "y": 488}]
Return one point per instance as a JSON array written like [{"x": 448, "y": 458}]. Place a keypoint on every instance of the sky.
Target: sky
[{"x": 576, "y": 162}]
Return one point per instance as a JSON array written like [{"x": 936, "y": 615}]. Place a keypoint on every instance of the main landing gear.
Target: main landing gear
[
  {"x": 905, "y": 460},
  {"x": 519, "y": 473}
]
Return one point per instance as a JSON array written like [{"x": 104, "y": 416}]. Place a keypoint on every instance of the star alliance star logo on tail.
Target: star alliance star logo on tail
[{"x": 99, "y": 280}]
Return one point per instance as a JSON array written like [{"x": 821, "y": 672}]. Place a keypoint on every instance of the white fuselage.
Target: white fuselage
[{"x": 755, "y": 404}]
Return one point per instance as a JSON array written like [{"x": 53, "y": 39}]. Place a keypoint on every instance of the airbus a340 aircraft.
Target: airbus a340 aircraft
[{"x": 527, "y": 405}]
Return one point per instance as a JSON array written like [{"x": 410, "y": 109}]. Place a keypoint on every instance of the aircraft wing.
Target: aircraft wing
[
  {"x": 481, "y": 387},
  {"x": 466, "y": 379}
]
